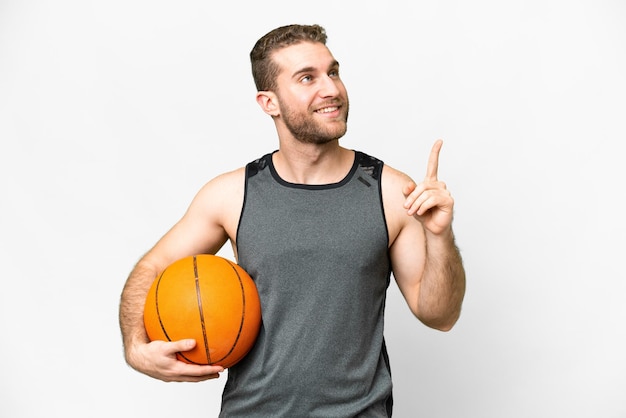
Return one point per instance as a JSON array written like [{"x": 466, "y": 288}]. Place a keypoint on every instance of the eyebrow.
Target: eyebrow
[{"x": 334, "y": 64}]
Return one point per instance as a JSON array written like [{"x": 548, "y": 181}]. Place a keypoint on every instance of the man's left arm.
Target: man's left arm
[{"x": 426, "y": 262}]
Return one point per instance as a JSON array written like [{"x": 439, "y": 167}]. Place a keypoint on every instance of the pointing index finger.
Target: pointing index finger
[{"x": 433, "y": 161}]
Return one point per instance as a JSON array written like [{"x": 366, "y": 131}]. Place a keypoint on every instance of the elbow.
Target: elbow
[
  {"x": 444, "y": 327},
  {"x": 443, "y": 323},
  {"x": 441, "y": 312}
]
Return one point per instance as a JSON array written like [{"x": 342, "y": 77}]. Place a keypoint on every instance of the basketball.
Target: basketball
[{"x": 207, "y": 298}]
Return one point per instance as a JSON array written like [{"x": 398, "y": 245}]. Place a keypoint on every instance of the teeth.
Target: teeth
[{"x": 328, "y": 109}]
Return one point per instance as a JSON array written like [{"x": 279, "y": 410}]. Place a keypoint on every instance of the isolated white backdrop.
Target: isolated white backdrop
[{"x": 113, "y": 114}]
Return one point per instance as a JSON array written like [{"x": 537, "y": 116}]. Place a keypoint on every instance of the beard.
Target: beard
[{"x": 305, "y": 128}]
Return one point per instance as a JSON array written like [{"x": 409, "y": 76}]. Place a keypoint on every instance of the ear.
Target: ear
[{"x": 268, "y": 102}]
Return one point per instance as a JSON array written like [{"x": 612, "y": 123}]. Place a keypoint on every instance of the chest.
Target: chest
[{"x": 311, "y": 226}]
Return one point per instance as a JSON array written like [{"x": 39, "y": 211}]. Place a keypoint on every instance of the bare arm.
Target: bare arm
[
  {"x": 156, "y": 359},
  {"x": 426, "y": 262},
  {"x": 208, "y": 223}
]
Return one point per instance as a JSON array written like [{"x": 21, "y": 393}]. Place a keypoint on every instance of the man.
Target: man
[{"x": 320, "y": 228}]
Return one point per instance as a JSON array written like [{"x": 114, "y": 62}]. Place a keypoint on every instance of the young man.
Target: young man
[{"x": 320, "y": 228}]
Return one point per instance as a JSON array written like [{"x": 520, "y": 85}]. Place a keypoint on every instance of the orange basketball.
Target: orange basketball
[{"x": 207, "y": 298}]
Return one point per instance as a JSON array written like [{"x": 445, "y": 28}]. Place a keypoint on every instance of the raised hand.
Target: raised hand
[{"x": 430, "y": 202}]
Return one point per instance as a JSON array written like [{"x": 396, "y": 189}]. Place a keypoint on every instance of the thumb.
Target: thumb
[{"x": 182, "y": 345}]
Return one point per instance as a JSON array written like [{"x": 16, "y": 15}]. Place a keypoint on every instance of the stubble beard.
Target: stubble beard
[{"x": 306, "y": 129}]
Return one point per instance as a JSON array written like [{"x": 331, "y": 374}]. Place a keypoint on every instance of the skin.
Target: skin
[{"x": 309, "y": 109}]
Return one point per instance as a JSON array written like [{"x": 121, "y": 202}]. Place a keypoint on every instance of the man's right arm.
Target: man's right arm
[
  {"x": 209, "y": 222},
  {"x": 158, "y": 358}
]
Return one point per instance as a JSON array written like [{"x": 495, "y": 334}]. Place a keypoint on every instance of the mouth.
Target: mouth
[{"x": 329, "y": 109}]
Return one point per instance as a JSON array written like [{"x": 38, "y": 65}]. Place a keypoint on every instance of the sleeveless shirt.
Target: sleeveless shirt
[{"x": 319, "y": 257}]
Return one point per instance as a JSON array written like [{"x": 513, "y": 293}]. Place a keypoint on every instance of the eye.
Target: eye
[
  {"x": 306, "y": 79},
  {"x": 334, "y": 73}
]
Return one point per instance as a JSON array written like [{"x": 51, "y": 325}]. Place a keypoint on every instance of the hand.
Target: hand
[
  {"x": 158, "y": 359},
  {"x": 430, "y": 202}
]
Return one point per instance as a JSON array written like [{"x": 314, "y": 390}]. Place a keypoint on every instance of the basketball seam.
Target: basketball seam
[
  {"x": 156, "y": 303},
  {"x": 243, "y": 313},
  {"x": 201, "y": 311}
]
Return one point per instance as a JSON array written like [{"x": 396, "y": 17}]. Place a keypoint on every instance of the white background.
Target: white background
[{"x": 114, "y": 113}]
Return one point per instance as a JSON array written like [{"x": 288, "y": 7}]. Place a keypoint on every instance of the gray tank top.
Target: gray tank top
[{"x": 319, "y": 257}]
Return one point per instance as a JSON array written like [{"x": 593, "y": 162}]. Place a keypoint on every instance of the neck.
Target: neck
[{"x": 313, "y": 164}]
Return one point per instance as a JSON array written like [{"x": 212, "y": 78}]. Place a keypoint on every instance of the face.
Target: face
[{"x": 313, "y": 102}]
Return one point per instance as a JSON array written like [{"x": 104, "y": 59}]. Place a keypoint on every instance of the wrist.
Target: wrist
[
  {"x": 132, "y": 350},
  {"x": 446, "y": 234}
]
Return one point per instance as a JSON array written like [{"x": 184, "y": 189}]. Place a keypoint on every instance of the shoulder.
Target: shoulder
[
  {"x": 226, "y": 191},
  {"x": 391, "y": 175},
  {"x": 220, "y": 195},
  {"x": 393, "y": 182},
  {"x": 218, "y": 203},
  {"x": 229, "y": 178},
  {"x": 223, "y": 188}
]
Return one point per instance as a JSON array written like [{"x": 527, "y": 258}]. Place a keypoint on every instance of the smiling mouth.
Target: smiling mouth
[{"x": 328, "y": 109}]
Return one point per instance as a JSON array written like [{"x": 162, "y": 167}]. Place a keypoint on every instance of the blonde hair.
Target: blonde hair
[{"x": 264, "y": 69}]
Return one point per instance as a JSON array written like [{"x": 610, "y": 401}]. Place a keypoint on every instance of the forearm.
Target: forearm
[
  {"x": 132, "y": 304},
  {"x": 443, "y": 284}
]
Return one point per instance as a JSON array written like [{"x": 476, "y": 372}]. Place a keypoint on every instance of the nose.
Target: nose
[{"x": 329, "y": 86}]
